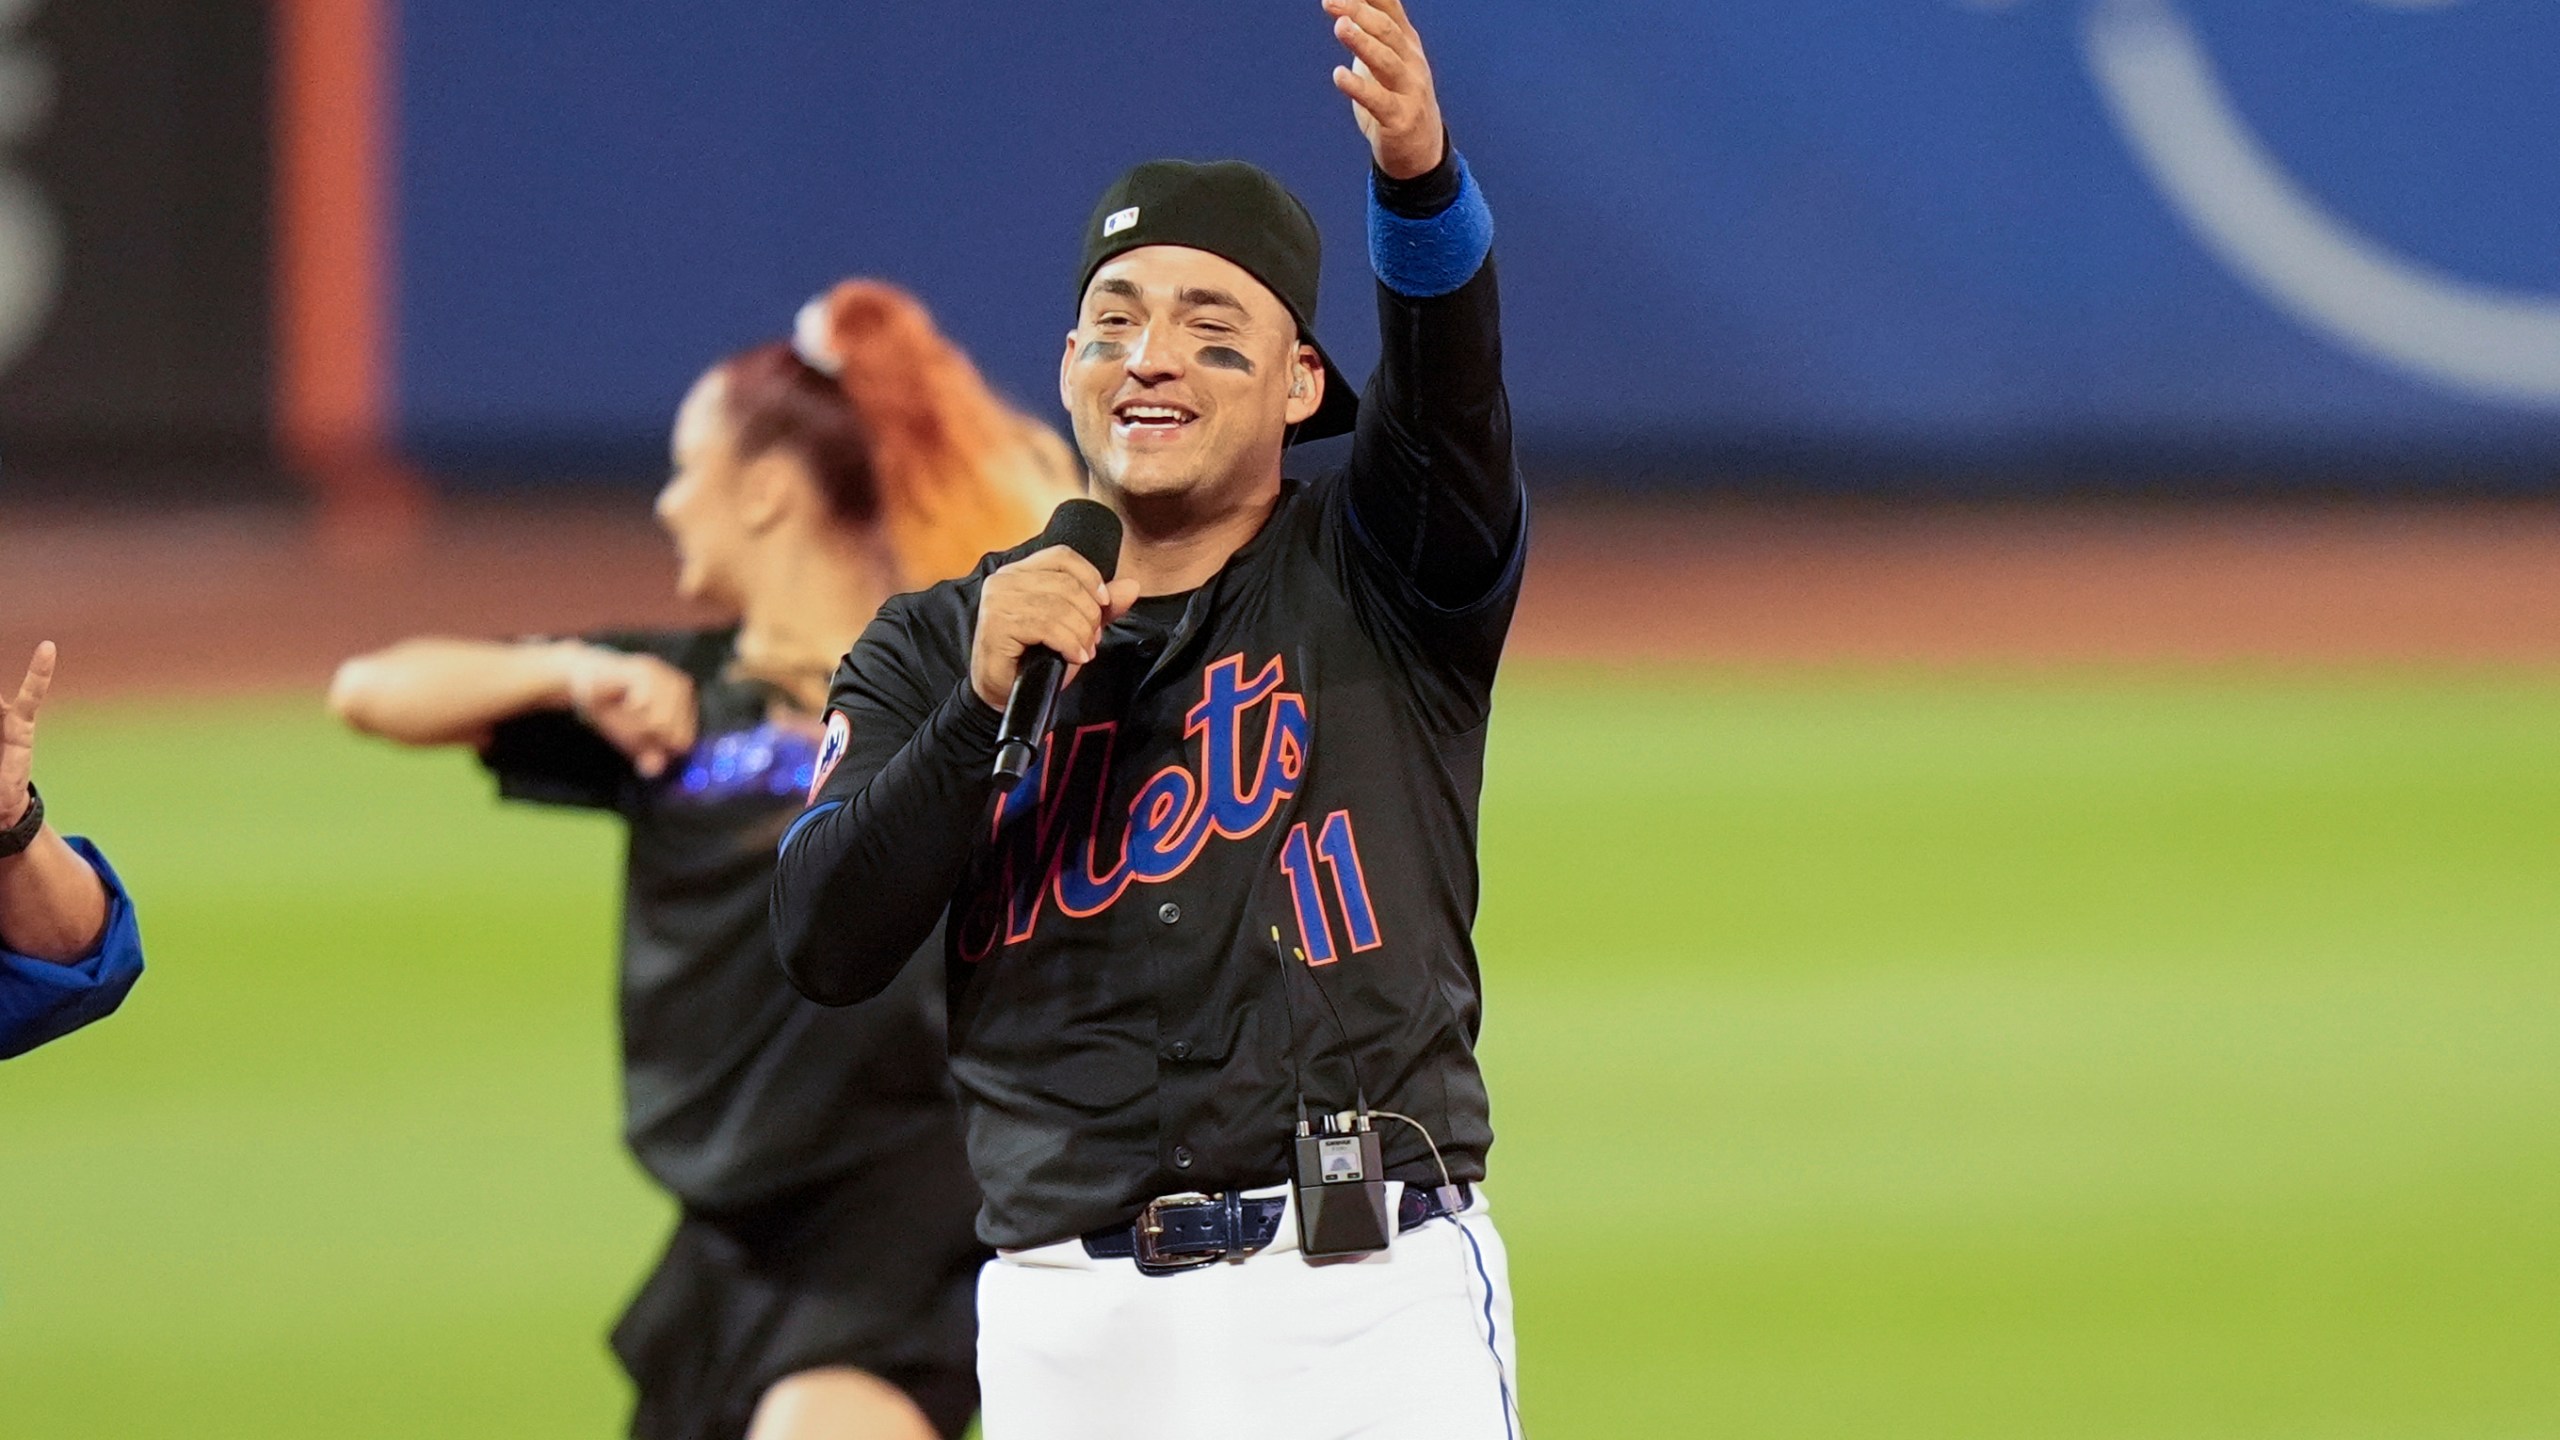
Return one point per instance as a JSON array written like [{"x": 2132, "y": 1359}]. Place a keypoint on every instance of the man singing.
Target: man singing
[{"x": 1213, "y": 953}]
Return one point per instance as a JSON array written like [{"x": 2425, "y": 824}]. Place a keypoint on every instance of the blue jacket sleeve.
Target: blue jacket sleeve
[{"x": 41, "y": 1000}]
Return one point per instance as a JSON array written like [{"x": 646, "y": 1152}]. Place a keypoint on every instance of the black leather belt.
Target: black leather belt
[{"x": 1180, "y": 1232}]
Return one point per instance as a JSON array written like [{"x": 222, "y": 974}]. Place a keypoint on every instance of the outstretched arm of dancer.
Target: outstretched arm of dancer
[{"x": 431, "y": 691}]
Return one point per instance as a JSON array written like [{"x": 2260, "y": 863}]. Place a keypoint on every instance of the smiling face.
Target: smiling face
[{"x": 1179, "y": 378}]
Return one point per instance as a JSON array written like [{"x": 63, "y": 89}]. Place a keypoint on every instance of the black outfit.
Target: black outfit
[
  {"x": 826, "y": 1197},
  {"x": 1302, "y": 747}
]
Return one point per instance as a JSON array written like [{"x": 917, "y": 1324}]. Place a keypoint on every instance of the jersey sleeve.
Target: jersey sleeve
[
  {"x": 868, "y": 869},
  {"x": 1431, "y": 515},
  {"x": 41, "y": 1000},
  {"x": 551, "y": 757}
]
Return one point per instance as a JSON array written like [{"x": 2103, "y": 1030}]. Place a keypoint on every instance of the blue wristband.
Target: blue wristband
[{"x": 1419, "y": 259}]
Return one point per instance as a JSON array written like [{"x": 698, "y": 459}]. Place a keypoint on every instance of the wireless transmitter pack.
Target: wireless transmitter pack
[
  {"x": 1342, "y": 1189},
  {"x": 1339, "y": 1169}
]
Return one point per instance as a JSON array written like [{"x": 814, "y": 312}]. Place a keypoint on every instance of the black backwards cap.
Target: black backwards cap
[{"x": 1237, "y": 212}]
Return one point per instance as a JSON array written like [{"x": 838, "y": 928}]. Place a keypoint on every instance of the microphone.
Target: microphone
[{"x": 1090, "y": 529}]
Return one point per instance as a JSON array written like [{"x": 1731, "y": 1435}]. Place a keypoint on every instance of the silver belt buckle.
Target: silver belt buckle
[{"x": 1150, "y": 1225}]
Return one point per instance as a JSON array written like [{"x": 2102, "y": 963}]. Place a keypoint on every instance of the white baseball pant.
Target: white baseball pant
[{"x": 1412, "y": 1343}]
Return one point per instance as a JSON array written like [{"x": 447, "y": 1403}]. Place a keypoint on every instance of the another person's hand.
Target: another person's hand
[
  {"x": 1389, "y": 82},
  {"x": 1054, "y": 598},
  {"x": 640, "y": 703},
  {"x": 18, "y": 734}
]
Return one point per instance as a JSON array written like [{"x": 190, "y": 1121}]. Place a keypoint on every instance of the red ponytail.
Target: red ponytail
[
  {"x": 907, "y": 437},
  {"x": 774, "y": 399}
]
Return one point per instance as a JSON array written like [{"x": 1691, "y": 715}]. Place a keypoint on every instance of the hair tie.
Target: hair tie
[{"x": 813, "y": 339}]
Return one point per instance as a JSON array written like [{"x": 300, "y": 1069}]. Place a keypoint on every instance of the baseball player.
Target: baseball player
[
  {"x": 1213, "y": 995},
  {"x": 69, "y": 948},
  {"x": 821, "y": 1278}
]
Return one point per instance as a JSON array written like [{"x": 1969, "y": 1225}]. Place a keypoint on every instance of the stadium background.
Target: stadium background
[{"x": 2019, "y": 844}]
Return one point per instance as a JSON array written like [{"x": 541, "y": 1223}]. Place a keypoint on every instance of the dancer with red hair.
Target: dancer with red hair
[{"x": 821, "y": 1279}]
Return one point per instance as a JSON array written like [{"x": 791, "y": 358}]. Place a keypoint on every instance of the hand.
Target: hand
[
  {"x": 1054, "y": 598},
  {"x": 18, "y": 735},
  {"x": 640, "y": 703},
  {"x": 1389, "y": 82}
]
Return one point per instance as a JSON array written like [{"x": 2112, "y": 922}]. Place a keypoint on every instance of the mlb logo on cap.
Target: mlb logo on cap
[{"x": 1119, "y": 220}]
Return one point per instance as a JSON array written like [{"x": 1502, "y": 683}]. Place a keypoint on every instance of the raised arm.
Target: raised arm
[
  {"x": 431, "y": 691},
  {"x": 53, "y": 906},
  {"x": 1432, "y": 485}
]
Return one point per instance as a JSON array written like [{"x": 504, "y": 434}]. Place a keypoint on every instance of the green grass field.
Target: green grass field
[{"x": 2086, "y": 1055}]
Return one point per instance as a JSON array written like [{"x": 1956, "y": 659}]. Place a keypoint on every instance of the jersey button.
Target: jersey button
[
  {"x": 1168, "y": 912},
  {"x": 1179, "y": 1049},
  {"x": 1181, "y": 1157}
]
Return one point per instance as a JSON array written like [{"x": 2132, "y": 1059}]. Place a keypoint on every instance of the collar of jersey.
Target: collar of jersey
[{"x": 1187, "y": 629}]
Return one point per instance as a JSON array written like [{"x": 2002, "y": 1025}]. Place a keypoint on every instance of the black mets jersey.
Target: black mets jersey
[
  {"x": 737, "y": 1089},
  {"x": 1295, "y": 747}
]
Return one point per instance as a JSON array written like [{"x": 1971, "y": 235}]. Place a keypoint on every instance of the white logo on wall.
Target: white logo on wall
[
  {"x": 2161, "y": 88},
  {"x": 30, "y": 241}
]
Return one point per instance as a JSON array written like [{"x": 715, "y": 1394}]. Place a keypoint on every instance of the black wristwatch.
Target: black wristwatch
[{"x": 23, "y": 834}]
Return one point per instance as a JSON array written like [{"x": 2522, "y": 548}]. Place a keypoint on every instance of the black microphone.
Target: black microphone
[{"x": 1090, "y": 529}]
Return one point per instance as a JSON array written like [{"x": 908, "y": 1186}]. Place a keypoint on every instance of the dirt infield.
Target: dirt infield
[
  {"x": 224, "y": 600},
  {"x": 2081, "y": 582}
]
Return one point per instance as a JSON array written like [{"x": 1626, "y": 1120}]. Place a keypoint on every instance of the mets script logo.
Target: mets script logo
[{"x": 1247, "y": 744}]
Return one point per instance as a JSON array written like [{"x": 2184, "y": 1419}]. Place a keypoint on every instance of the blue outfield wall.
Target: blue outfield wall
[{"x": 1827, "y": 242}]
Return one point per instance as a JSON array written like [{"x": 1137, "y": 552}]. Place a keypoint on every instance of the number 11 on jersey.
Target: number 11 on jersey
[{"x": 1340, "y": 851}]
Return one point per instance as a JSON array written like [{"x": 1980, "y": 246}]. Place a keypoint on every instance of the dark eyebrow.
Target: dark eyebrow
[
  {"x": 1197, "y": 295},
  {"x": 1116, "y": 287}
]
